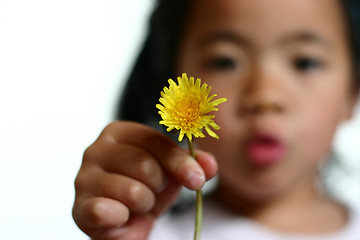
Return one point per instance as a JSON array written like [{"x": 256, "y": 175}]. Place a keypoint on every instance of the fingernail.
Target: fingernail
[{"x": 195, "y": 179}]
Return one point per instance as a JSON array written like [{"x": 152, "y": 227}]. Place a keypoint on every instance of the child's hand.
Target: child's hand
[{"x": 129, "y": 176}]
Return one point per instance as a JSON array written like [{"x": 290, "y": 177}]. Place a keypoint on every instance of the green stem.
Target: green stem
[{"x": 199, "y": 205}]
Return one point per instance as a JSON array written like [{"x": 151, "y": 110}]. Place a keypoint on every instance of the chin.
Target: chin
[
  {"x": 262, "y": 195},
  {"x": 253, "y": 193}
]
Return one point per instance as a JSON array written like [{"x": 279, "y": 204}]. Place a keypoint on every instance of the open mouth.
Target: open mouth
[{"x": 265, "y": 150}]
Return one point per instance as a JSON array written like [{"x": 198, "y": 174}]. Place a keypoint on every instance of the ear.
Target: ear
[
  {"x": 353, "y": 96},
  {"x": 351, "y": 103},
  {"x": 350, "y": 107}
]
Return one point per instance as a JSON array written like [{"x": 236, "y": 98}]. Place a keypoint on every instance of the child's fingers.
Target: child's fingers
[
  {"x": 166, "y": 198},
  {"x": 104, "y": 217},
  {"x": 207, "y": 162},
  {"x": 176, "y": 161},
  {"x": 134, "y": 194},
  {"x": 107, "y": 219},
  {"x": 133, "y": 162},
  {"x": 92, "y": 214},
  {"x": 123, "y": 173},
  {"x": 183, "y": 168},
  {"x": 137, "y": 228}
]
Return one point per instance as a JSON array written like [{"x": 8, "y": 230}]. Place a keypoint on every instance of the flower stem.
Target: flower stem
[{"x": 199, "y": 205}]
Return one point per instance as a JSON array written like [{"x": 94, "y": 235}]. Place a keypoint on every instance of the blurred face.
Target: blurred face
[{"x": 285, "y": 68}]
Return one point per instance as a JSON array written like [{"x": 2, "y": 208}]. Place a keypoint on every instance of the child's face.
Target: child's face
[{"x": 284, "y": 66}]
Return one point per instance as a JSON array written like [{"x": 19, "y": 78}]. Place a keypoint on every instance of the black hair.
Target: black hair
[
  {"x": 352, "y": 13},
  {"x": 155, "y": 63}
]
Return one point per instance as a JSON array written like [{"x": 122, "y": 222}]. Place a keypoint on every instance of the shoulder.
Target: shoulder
[
  {"x": 175, "y": 226},
  {"x": 180, "y": 225},
  {"x": 352, "y": 230},
  {"x": 218, "y": 223},
  {"x": 221, "y": 224}
]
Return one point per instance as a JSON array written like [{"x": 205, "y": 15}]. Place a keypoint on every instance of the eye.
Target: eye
[
  {"x": 221, "y": 63},
  {"x": 306, "y": 64}
]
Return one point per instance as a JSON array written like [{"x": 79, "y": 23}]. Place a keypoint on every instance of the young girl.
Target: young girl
[{"x": 288, "y": 70}]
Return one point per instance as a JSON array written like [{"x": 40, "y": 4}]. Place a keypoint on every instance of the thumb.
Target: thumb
[
  {"x": 138, "y": 227},
  {"x": 207, "y": 162},
  {"x": 166, "y": 198}
]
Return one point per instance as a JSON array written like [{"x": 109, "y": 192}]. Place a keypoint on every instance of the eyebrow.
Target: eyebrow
[
  {"x": 305, "y": 37},
  {"x": 223, "y": 36},
  {"x": 289, "y": 39}
]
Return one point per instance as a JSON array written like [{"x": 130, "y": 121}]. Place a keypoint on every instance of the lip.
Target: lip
[{"x": 265, "y": 150}]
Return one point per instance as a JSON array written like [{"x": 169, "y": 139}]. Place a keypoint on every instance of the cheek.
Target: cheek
[
  {"x": 231, "y": 134},
  {"x": 317, "y": 124}
]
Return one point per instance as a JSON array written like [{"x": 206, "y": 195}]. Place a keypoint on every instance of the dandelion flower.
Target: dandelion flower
[{"x": 184, "y": 107}]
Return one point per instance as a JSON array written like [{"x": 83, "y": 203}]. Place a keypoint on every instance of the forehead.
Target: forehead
[{"x": 263, "y": 20}]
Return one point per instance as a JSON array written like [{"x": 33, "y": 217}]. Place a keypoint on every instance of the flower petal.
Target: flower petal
[{"x": 183, "y": 106}]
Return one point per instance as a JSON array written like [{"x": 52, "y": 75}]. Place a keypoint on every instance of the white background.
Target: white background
[{"x": 61, "y": 66}]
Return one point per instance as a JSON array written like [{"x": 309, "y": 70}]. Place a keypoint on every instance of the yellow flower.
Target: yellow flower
[{"x": 184, "y": 107}]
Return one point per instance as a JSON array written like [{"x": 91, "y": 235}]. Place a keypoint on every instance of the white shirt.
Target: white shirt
[{"x": 221, "y": 225}]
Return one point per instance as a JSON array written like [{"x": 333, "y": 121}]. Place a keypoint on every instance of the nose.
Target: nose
[
  {"x": 260, "y": 107},
  {"x": 263, "y": 93}
]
